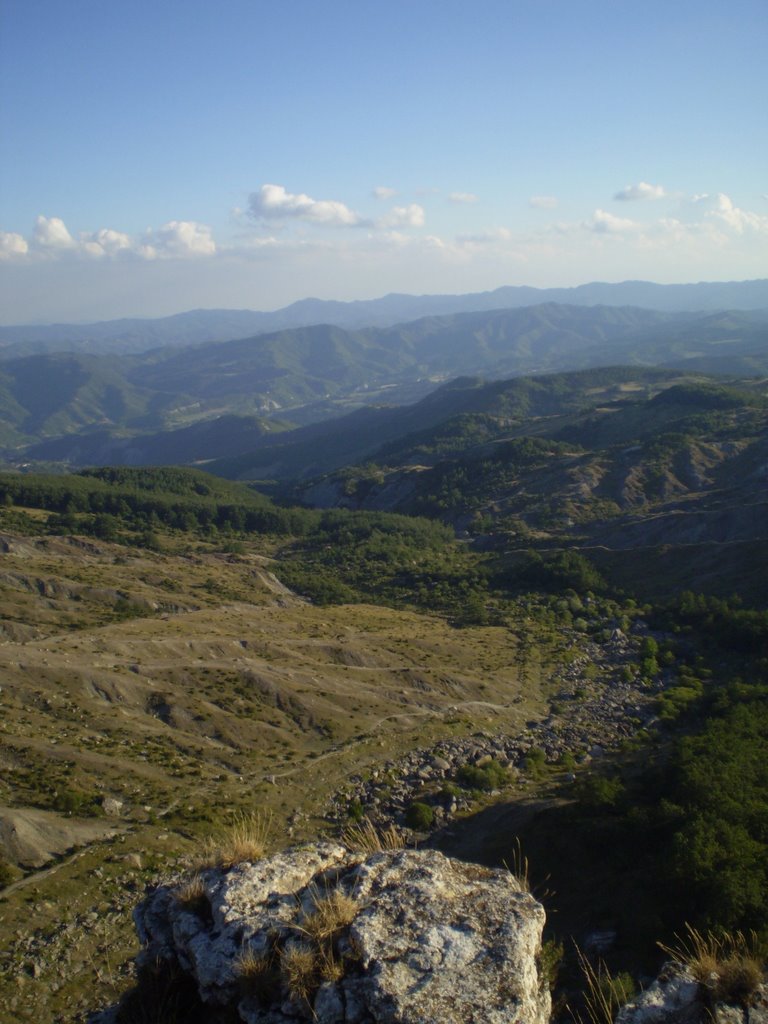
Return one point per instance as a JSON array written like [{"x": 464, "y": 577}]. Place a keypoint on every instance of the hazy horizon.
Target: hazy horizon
[{"x": 372, "y": 299}]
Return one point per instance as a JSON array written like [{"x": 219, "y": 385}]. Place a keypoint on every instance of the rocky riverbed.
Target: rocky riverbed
[{"x": 598, "y": 703}]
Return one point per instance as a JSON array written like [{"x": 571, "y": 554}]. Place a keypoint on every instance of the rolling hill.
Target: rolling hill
[
  {"x": 309, "y": 374},
  {"x": 205, "y": 325}
]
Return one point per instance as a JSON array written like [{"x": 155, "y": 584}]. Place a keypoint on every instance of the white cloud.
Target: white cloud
[
  {"x": 720, "y": 209},
  {"x": 642, "y": 190},
  {"x": 180, "y": 238},
  {"x": 383, "y": 192},
  {"x": 12, "y": 246},
  {"x": 463, "y": 197},
  {"x": 51, "y": 233},
  {"x": 411, "y": 216},
  {"x": 273, "y": 202},
  {"x": 106, "y": 242},
  {"x": 112, "y": 241},
  {"x": 604, "y": 223},
  {"x": 543, "y": 202},
  {"x": 51, "y": 240}
]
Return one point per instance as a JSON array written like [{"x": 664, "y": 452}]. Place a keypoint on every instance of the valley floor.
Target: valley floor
[{"x": 147, "y": 698}]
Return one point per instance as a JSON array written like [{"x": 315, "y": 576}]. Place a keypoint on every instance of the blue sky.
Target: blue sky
[{"x": 167, "y": 156}]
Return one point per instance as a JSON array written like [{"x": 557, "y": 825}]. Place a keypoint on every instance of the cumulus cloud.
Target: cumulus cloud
[
  {"x": 12, "y": 246},
  {"x": 463, "y": 197},
  {"x": 383, "y": 192},
  {"x": 273, "y": 202},
  {"x": 51, "y": 233},
  {"x": 604, "y": 223},
  {"x": 543, "y": 202},
  {"x": 52, "y": 240},
  {"x": 181, "y": 238},
  {"x": 642, "y": 190},
  {"x": 720, "y": 209},
  {"x": 106, "y": 242},
  {"x": 411, "y": 216}
]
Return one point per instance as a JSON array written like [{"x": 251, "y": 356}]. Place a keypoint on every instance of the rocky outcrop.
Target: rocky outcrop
[
  {"x": 318, "y": 933},
  {"x": 676, "y": 997}
]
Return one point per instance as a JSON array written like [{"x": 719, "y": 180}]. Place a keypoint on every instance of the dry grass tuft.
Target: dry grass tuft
[
  {"x": 332, "y": 913},
  {"x": 244, "y": 840},
  {"x": 193, "y": 896},
  {"x": 257, "y": 973},
  {"x": 300, "y": 968},
  {"x": 520, "y": 868},
  {"x": 729, "y": 965},
  {"x": 366, "y": 838}
]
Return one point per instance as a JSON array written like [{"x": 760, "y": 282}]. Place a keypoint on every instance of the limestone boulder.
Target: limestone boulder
[{"x": 423, "y": 939}]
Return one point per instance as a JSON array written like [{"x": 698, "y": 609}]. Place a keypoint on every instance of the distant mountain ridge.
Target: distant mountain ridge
[
  {"x": 199, "y": 326},
  {"x": 88, "y": 409}
]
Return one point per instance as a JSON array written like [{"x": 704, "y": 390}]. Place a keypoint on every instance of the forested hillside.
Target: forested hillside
[{"x": 87, "y": 409}]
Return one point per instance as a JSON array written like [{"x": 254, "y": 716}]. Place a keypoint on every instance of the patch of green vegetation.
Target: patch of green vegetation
[
  {"x": 132, "y": 504},
  {"x": 487, "y": 777},
  {"x": 384, "y": 558},
  {"x": 419, "y": 816}
]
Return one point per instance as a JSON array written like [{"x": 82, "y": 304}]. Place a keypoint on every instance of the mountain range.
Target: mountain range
[
  {"x": 84, "y": 409},
  {"x": 205, "y": 325}
]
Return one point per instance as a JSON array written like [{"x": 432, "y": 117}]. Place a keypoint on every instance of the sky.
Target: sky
[{"x": 164, "y": 156}]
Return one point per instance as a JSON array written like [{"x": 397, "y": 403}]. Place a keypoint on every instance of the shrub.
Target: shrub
[
  {"x": 549, "y": 962},
  {"x": 419, "y": 816},
  {"x": 490, "y": 776},
  {"x": 598, "y": 791},
  {"x": 355, "y": 810},
  {"x": 535, "y": 761}
]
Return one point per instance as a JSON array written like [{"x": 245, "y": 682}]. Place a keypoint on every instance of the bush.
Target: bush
[
  {"x": 419, "y": 816},
  {"x": 490, "y": 776},
  {"x": 535, "y": 761}
]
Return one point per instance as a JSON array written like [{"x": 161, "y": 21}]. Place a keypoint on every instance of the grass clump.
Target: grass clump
[
  {"x": 258, "y": 974},
  {"x": 604, "y": 993},
  {"x": 331, "y": 913},
  {"x": 729, "y": 965},
  {"x": 365, "y": 838},
  {"x": 244, "y": 840},
  {"x": 306, "y": 965},
  {"x": 300, "y": 969},
  {"x": 520, "y": 868},
  {"x": 193, "y": 897}
]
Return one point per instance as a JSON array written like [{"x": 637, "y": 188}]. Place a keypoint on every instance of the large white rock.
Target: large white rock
[{"x": 433, "y": 940}]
